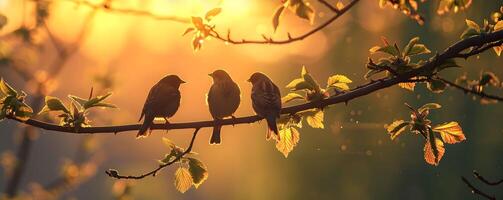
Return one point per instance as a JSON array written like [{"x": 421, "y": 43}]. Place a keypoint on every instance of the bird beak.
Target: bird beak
[
  {"x": 249, "y": 80},
  {"x": 181, "y": 81}
]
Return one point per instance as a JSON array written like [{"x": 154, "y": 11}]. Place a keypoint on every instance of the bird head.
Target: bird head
[
  {"x": 257, "y": 77},
  {"x": 220, "y": 75},
  {"x": 172, "y": 81}
]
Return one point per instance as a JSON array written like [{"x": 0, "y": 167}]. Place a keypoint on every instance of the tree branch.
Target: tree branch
[
  {"x": 481, "y": 178},
  {"x": 290, "y": 39},
  {"x": 470, "y": 91},
  {"x": 109, "y": 8},
  {"x": 424, "y": 70},
  {"x": 477, "y": 191},
  {"x": 154, "y": 172}
]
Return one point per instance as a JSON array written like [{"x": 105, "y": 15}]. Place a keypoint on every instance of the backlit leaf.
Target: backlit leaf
[
  {"x": 314, "y": 117},
  {"x": 289, "y": 139},
  {"x": 391, "y": 50},
  {"x": 290, "y": 97},
  {"x": 183, "y": 179},
  {"x": 418, "y": 49},
  {"x": 6, "y": 89},
  {"x": 212, "y": 13},
  {"x": 302, "y": 9},
  {"x": 407, "y": 85},
  {"x": 498, "y": 26},
  {"x": 429, "y": 106},
  {"x": 396, "y": 128},
  {"x": 198, "y": 171},
  {"x": 433, "y": 150},
  {"x": 277, "y": 15},
  {"x": 54, "y": 104},
  {"x": 339, "y": 81},
  {"x": 299, "y": 84},
  {"x": 198, "y": 23},
  {"x": 471, "y": 24},
  {"x": 451, "y": 132},
  {"x": 188, "y": 30},
  {"x": 409, "y": 46}
]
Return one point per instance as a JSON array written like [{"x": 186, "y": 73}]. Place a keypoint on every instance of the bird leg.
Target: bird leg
[{"x": 166, "y": 123}]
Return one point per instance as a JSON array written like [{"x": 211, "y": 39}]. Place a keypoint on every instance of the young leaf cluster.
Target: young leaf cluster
[
  {"x": 192, "y": 172},
  {"x": 445, "y": 6},
  {"x": 75, "y": 113},
  {"x": 12, "y": 103},
  {"x": 397, "y": 61},
  {"x": 474, "y": 29},
  {"x": 486, "y": 79},
  {"x": 288, "y": 124},
  {"x": 300, "y": 8},
  {"x": 435, "y": 135},
  {"x": 201, "y": 28}
]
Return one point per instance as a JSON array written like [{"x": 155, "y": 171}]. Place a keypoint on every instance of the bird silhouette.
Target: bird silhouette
[
  {"x": 163, "y": 101},
  {"x": 266, "y": 101},
  {"x": 223, "y": 100}
]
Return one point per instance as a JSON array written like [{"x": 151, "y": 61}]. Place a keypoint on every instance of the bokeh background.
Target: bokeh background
[{"x": 352, "y": 158}]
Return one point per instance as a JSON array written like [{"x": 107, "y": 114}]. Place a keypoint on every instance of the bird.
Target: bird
[
  {"x": 163, "y": 101},
  {"x": 266, "y": 101},
  {"x": 223, "y": 100}
]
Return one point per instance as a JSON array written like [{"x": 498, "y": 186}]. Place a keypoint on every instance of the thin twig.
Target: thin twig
[
  {"x": 481, "y": 178},
  {"x": 154, "y": 172},
  {"x": 471, "y": 91},
  {"x": 329, "y": 6},
  {"x": 477, "y": 191},
  {"x": 290, "y": 39}
]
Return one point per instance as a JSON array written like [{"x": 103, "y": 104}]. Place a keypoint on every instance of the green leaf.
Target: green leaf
[
  {"x": 198, "y": 171},
  {"x": 429, "y": 106},
  {"x": 104, "y": 105},
  {"x": 6, "y": 89},
  {"x": 299, "y": 84},
  {"x": 339, "y": 81},
  {"x": 310, "y": 80},
  {"x": 183, "y": 179},
  {"x": 93, "y": 101},
  {"x": 212, "y": 13},
  {"x": 54, "y": 104},
  {"x": 80, "y": 101},
  {"x": 391, "y": 50},
  {"x": 276, "y": 16},
  {"x": 314, "y": 117},
  {"x": 290, "y": 97},
  {"x": 409, "y": 46},
  {"x": 436, "y": 86},
  {"x": 396, "y": 128},
  {"x": 419, "y": 49},
  {"x": 498, "y": 26}
]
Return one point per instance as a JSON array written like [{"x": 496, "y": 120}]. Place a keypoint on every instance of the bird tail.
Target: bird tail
[
  {"x": 145, "y": 127},
  {"x": 272, "y": 127},
  {"x": 215, "y": 137}
]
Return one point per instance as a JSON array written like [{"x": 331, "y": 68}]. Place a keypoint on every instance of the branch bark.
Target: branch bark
[{"x": 363, "y": 90}]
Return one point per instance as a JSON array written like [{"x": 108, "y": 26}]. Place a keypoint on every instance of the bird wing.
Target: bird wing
[
  {"x": 266, "y": 95},
  {"x": 157, "y": 97}
]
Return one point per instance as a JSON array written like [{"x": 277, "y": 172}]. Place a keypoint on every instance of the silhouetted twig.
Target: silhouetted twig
[
  {"x": 154, "y": 172},
  {"x": 290, "y": 39},
  {"x": 470, "y": 91},
  {"x": 477, "y": 191}
]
